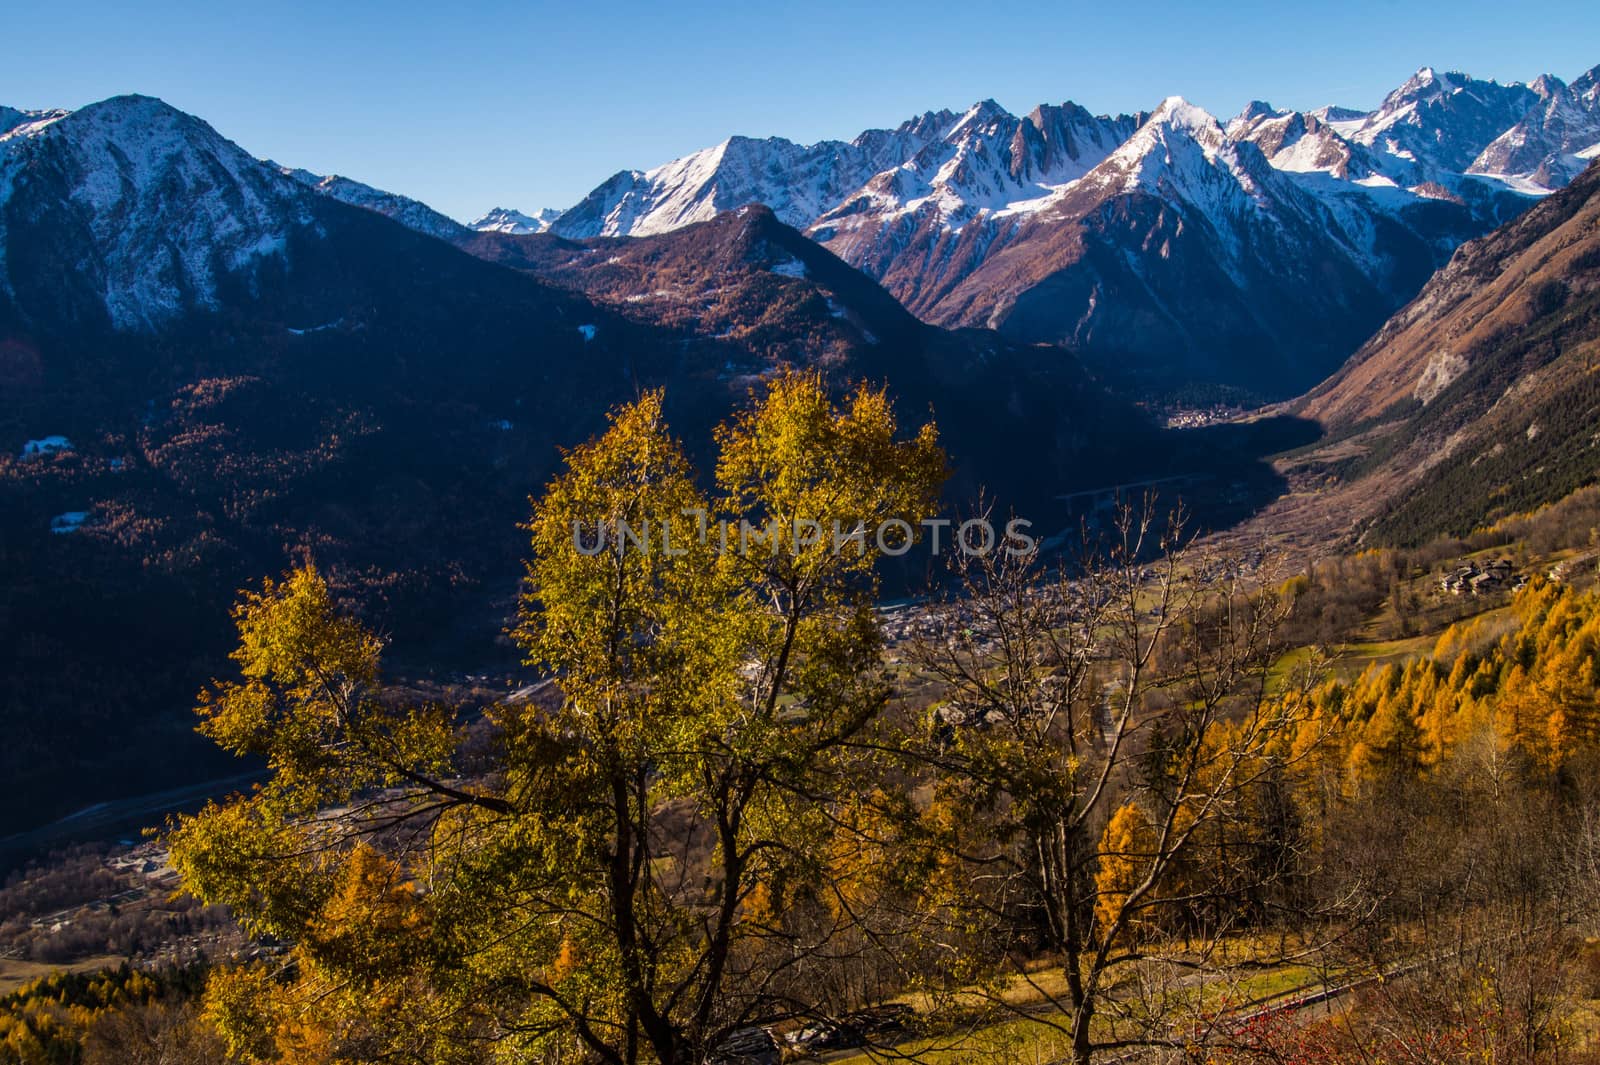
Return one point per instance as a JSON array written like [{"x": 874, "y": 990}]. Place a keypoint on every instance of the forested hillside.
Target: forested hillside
[{"x": 1478, "y": 399}]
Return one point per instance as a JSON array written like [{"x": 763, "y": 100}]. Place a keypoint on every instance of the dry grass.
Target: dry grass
[{"x": 14, "y": 973}]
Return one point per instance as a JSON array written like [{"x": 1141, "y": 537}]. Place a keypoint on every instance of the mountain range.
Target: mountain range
[
  {"x": 1176, "y": 254},
  {"x": 1166, "y": 246}
]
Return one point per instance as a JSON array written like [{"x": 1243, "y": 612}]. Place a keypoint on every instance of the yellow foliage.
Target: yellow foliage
[
  {"x": 1126, "y": 848},
  {"x": 701, "y": 690},
  {"x": 1534, "y": 689}
]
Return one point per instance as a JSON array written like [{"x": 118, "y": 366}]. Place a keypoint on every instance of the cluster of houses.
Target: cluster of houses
[
  {"x": 1198, "y": 418},
  {"x": 1572, "y": 567},
  {"x": 906, "y": 621},
  {"x": 1473, "y": 579}
]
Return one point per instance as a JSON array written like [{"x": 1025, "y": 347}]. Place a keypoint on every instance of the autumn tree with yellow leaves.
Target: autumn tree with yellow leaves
[{"x": 650, "y": 865}]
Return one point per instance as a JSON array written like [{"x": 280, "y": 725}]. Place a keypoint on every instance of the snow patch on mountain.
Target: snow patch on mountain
[
  {"x": 790, "y": 267},
  {"x": 1304, "y": 143}
]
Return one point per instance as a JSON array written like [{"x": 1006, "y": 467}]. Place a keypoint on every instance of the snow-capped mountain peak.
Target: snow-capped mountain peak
[
  {"x": 1424, "y": 84},
  {"x": 1305, "y": 142},
  {"x": 1586, "y": 89},
  {"x": 884, "y": 148},
  {"x": 797, "y": 181},
  {"x": 1071, "y": 141},
  {"x": 1182, "y": 156},
  {"x": 987, "y": 164},
  {"x": 1176, "y": 134},
  {"x": 1254, "y": 113},
  {"x": 1546, "y": 86},
  {"x": 171, "y": 205},
  {"x": 1175, "y": 111},
  {"x": 515, "y": 223},
  {"x": 1435, "y": 125},
  {"x": 23, "y": 123},
  {"x": 1331, "y": 113},
  {"x": 1545, "y": 148},
  {"x": 983, "y": 118},
  {"x": 410, "y": 213}
]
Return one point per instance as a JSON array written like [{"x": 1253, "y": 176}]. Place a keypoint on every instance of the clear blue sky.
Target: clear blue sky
[{"x": 530, "y": 105}]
